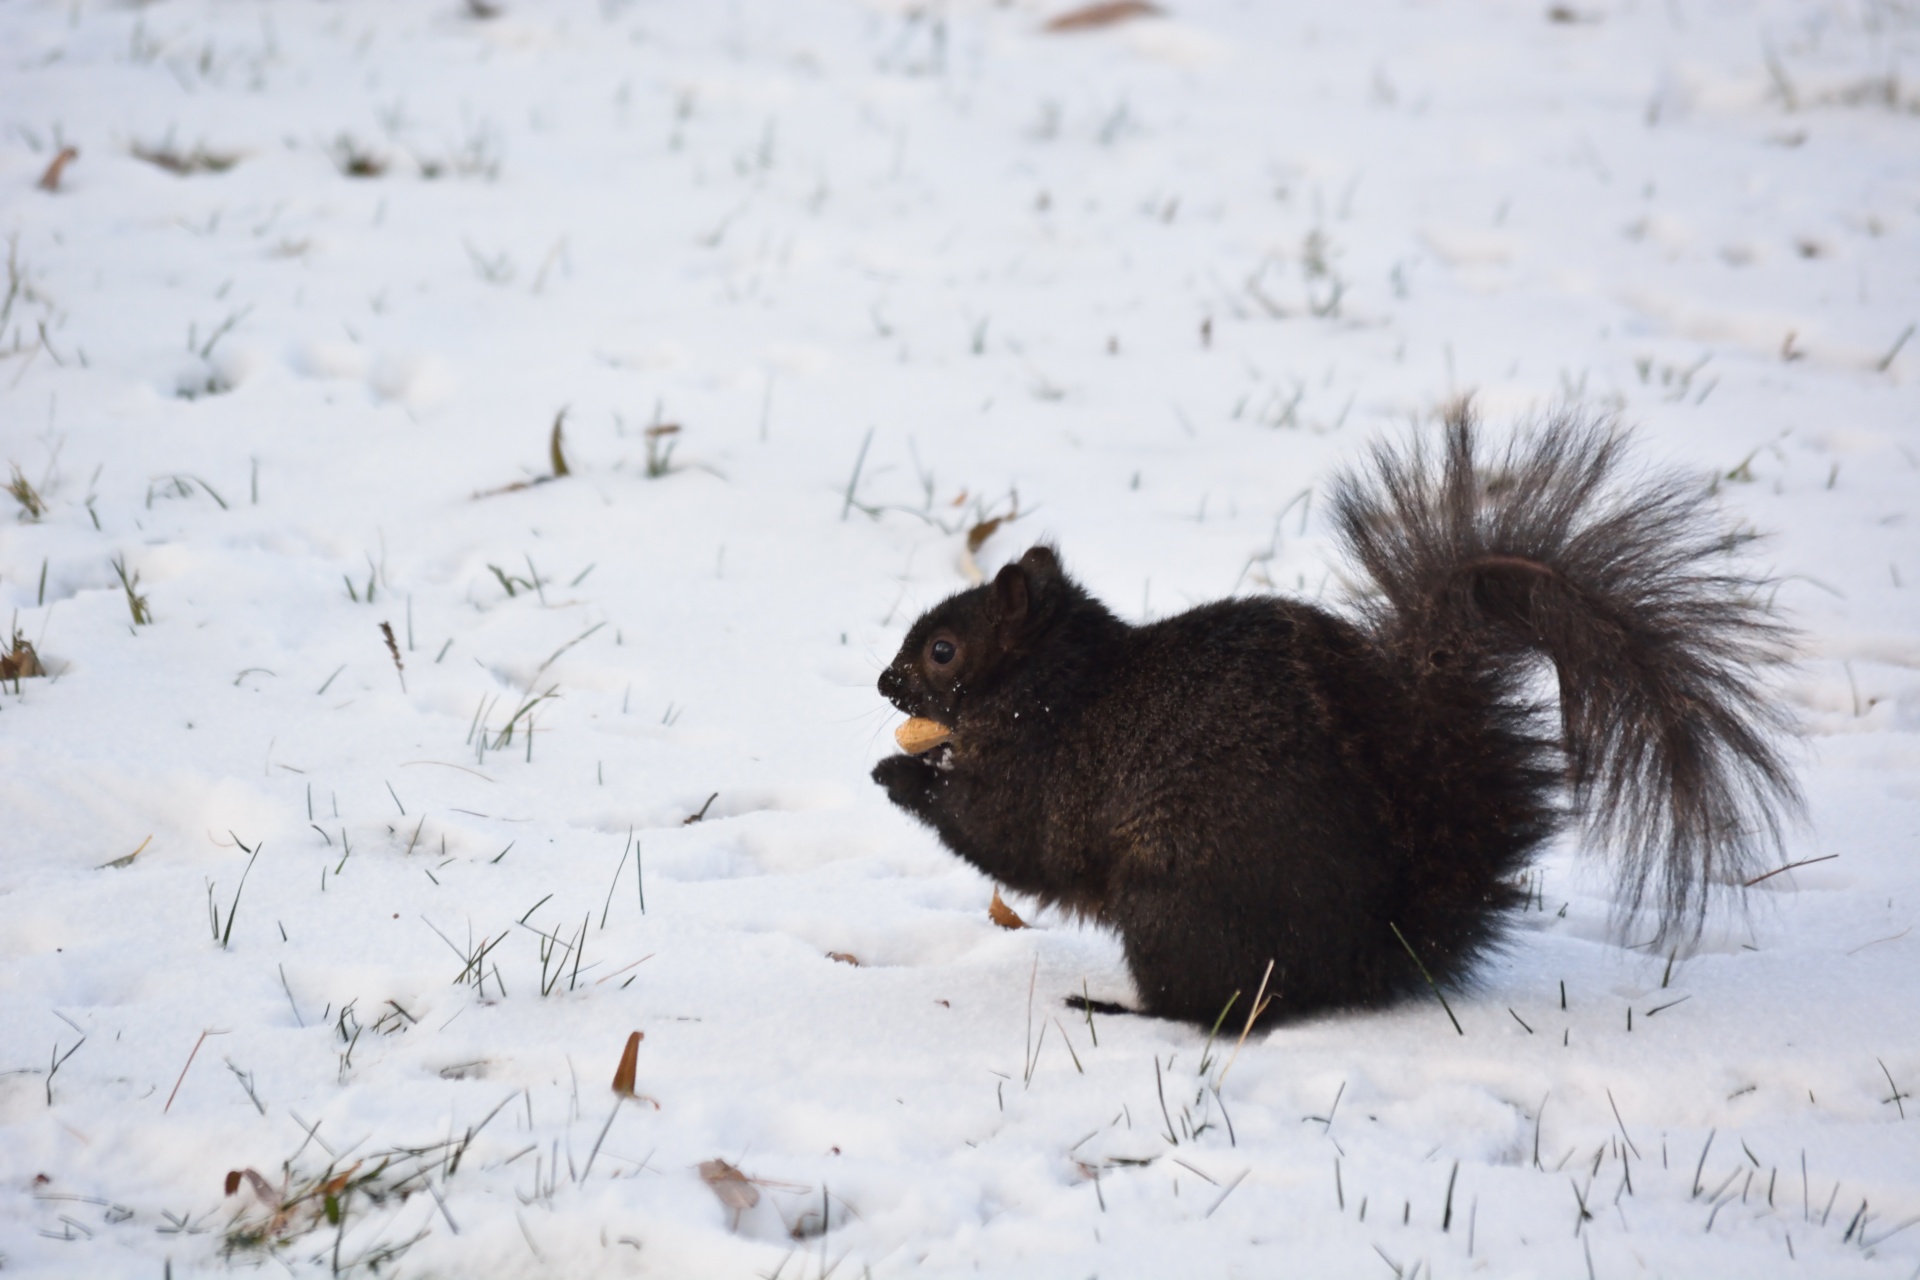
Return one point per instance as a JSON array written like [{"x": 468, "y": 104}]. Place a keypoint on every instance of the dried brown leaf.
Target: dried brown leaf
[
  {"x": 50, "y": 180},
  {"x": 334, "y": 1185},
  {"x": 978, "y": 535},
  {"x": 22, "y": 662},
  {"x": 1003, "y": 915},
  {"x": 730, "y": 1185},
  {"x": 1093, "y": 16},
  {"x": 629, "y": 1065}
]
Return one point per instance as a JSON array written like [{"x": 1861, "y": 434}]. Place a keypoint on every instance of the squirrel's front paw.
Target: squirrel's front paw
[{"x": 909, "y": 781}]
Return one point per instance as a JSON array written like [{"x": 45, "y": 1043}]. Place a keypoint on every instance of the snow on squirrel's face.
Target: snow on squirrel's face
[
  {"x": 944, "y": 652},
  {"x": 965, "y": 642}
]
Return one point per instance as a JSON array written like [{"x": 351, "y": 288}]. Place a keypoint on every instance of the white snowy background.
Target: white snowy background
[{"x": 306, "y": 304}]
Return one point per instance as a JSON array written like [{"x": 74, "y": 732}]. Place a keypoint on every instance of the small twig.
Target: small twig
[
  {"x": 183, "y": 1070},
  {"x": 1895, "y": 937}
]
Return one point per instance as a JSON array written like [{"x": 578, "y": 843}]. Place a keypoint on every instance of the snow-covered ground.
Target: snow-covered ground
[{"x": 893, "y": 270}]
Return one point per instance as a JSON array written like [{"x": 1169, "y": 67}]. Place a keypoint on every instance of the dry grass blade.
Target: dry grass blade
[
  {"x": 1260, "y": 1003},
  {"x": 127, "y": 860},
  {"x": 556, "y": 454},
  {"x": 1768, "y": 875},
  {"x": 1440, "y": 995},
  {"x": 1094, "y": 16},
  {"x": 191, "y": 1055}
]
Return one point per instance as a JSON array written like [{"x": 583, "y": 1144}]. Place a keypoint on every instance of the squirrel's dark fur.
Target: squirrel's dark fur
[{"x": 1262, "y": 780}]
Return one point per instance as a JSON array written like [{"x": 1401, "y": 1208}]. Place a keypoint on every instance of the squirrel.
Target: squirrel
[{"x": 1340, "y": 807}]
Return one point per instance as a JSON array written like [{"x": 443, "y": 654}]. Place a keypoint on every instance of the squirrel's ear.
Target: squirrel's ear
[
  {"x": 1042, "y": 563},
  {"x": 1011, "y": 599}
]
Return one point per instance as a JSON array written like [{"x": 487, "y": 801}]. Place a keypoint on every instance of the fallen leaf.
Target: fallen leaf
[
  {"x": 978, "y": 535},
  {"x": 1092, "y": 16},
  {"x": 50, "y": 180},
  {"x": 334, "y": 1185},
  {"x": 731, "y": 1185},
  {"x": 1003, "y": 915},
  {"x": 22, "y": 662},
  {"x": 629, "y": 1065}
]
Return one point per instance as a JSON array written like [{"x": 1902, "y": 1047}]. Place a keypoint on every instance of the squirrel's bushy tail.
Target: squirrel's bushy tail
[{"x": 1630, "y": 586}]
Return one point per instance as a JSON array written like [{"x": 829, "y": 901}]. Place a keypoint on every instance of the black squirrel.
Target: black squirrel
[{"x": 1354, "y": 799}]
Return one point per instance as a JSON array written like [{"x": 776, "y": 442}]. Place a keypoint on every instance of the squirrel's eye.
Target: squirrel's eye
[{"x": 941, "y": 651}]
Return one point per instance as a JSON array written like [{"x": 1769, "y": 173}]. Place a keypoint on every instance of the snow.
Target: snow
[{"x": 893, "y": 269}]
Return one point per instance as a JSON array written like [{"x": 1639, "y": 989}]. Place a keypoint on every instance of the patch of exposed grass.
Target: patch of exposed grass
[
  {"x": 185, "y": 163},
  {"x": 130, "y": 583},
  {"x": 20, "y": 662},
  {"x": 21, "y": 490}
]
